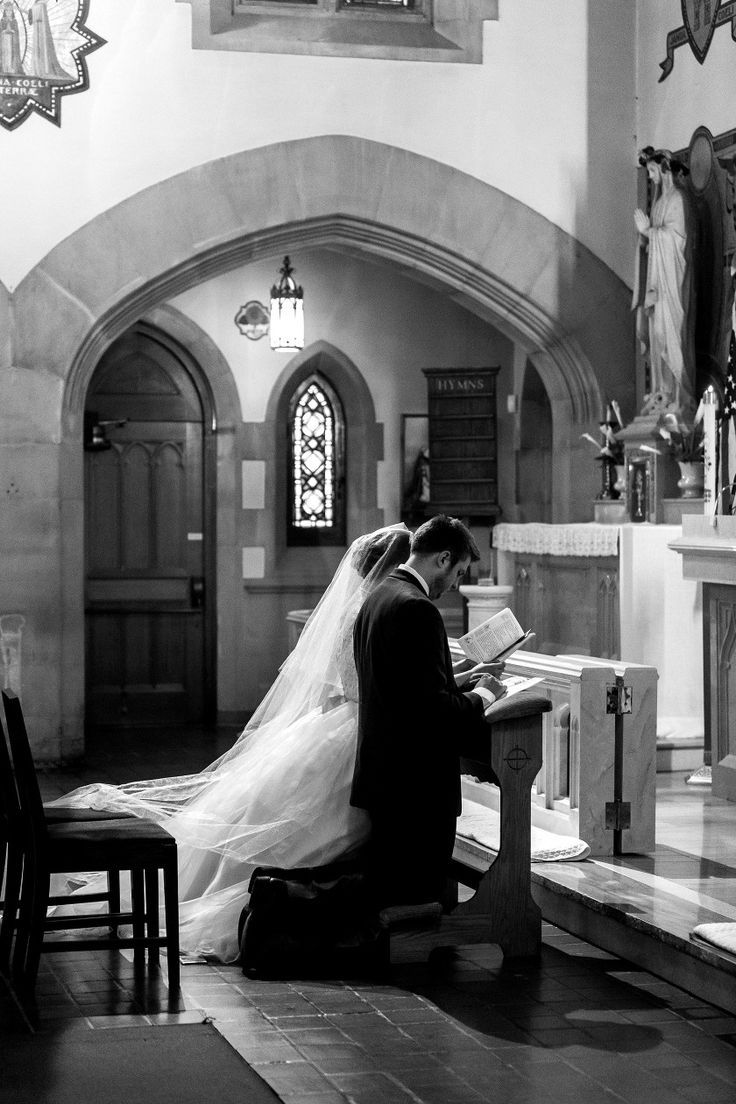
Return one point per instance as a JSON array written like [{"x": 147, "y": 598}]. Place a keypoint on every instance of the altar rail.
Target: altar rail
[{"x": 574, "y": 792}]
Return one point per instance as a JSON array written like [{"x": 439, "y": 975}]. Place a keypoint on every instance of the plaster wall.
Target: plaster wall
[
  {"x": 692, "y": 95},
  {"x": 547, "y": 118}
]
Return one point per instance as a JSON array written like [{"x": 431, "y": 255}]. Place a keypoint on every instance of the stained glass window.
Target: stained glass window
[{"x": 316, "y": 430}]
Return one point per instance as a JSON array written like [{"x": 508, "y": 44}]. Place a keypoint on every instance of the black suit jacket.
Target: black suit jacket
[{"x": 414, "y": 723}]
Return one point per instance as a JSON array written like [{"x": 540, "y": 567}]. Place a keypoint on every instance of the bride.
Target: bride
[{"x": 280, "y": 796}]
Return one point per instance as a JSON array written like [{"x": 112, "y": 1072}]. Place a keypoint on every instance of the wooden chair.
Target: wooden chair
[
  {"x": 11, "y": 855},
  {"x": 11, "y": 858},
  {"x": 128, "y": 844}
]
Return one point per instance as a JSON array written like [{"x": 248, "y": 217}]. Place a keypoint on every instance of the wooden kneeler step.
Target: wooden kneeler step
[
  {"x": 501, "y": 910},
  {"x": 413, "y": 932}
]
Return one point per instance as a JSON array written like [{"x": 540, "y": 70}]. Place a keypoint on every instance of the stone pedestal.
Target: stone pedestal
[
  {"x": 650, "y": 476},
  {"x": 661, "y": 620},
  {"x": 484, "y": 601},
  {"x": 676, "y": 508},
  {"x": 708, "y": 550},
  {"x": 609, "y": 513}
]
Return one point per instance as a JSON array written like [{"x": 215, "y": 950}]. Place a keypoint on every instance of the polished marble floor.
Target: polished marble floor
[
  {"x": 580, "y": 1025},
  {"x": 689, "y": 879}
]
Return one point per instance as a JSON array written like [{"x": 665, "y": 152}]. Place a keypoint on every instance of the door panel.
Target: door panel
[{"x": 145, "y": 620}]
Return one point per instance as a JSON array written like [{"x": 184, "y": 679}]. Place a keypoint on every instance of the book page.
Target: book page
[{"x": 496, "y": 635}]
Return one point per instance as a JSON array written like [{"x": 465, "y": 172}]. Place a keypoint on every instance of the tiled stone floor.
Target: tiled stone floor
[
  {"x": 581, "y": 1025},
  {"x": 578, "y": 1026}
]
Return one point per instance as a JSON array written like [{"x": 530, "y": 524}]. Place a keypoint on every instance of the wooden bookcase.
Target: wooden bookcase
[{"x": 462, "y": 442}]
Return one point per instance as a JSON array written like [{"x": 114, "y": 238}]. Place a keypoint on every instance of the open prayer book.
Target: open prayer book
[{"x": 495, "y": 639}]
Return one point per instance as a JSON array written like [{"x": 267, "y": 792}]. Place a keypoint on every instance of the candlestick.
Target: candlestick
[{"x": 710, "y": 444}]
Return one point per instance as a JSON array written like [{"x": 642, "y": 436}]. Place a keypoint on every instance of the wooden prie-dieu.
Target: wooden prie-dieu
[{"x": 501, "y": 909}]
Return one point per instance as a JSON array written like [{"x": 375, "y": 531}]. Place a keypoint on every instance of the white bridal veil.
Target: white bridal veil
[{"x": 280, "y": 795}]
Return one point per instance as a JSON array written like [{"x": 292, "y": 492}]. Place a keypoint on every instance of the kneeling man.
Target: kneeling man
[{"x": 414, "y": 722}]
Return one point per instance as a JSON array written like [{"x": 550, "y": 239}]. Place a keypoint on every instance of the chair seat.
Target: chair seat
[{"x": 107, "y": 843}]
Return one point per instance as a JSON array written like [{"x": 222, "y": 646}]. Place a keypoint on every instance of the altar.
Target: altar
[
  {"x": 616, "y": 592},
  {"x": 708, "y": 550}
]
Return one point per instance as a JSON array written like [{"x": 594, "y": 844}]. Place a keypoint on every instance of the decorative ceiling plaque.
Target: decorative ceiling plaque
[
  {"x": 699, "y": 20},
  {"x": 43, "y": 48}
]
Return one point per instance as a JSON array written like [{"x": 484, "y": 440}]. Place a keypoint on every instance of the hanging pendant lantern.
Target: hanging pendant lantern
[{"x": 287, "y": 312}]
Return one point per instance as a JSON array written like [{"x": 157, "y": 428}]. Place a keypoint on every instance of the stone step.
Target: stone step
[{"x": 630, "y": 911}]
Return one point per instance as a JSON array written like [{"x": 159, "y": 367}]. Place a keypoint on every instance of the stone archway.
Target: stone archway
[{"x": 556, "y": 300}]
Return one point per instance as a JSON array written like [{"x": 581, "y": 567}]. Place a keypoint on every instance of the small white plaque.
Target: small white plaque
[
  {"x": 254, "y": 563},
  {"x": 195, "y": 536}
]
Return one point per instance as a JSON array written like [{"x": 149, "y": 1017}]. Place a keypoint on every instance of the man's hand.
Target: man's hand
[
  {"x": 491, "y": 683},
  {"x": 480, "y": 669},
  {"x": 471, "y": 678}
]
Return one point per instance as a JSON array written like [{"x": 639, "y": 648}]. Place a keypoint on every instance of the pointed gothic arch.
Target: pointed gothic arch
[{"x": 489, "y": 252}]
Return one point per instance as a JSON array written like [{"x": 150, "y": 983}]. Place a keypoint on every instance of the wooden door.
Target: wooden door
[{"x": 146, "y": 661}]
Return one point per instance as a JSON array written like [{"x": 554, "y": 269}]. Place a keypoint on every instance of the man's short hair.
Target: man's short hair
[{"x": 445, "y": 534}]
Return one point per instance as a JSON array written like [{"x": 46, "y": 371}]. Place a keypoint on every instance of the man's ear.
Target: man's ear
[{"x": 444, "y": 559}]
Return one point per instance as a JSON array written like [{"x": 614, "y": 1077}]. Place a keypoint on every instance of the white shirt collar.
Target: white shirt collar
[{"x": 410, "y": 570}]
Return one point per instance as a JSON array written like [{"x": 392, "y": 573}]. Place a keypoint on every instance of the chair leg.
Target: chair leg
[
  {"x": 34, "y": 899},
  {"x": 13, "y": 873},
  {"x": 113, "y": 896},
  {"x": 138, "y": 901},
  {"x": 171, "y": 909},
  {"x": 152, "y": 919}
]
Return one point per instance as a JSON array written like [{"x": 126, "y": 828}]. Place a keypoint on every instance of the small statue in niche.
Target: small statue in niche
[{"x": 664, "y": 305}]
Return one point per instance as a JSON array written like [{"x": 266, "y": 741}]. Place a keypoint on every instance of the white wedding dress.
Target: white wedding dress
[{"x": 281, "y": 795}]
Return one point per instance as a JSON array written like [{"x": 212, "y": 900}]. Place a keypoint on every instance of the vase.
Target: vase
[{"x": 692, "y": 478}]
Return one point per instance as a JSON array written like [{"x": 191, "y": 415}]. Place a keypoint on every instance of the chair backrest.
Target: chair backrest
[
  {"x": 32, "y": 817},
  {"x": 9, "y": 808}
]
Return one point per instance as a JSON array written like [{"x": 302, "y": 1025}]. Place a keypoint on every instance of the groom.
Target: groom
[{"x": 413, "y": 722}]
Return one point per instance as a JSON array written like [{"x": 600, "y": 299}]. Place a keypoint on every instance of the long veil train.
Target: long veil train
[{"x": 280, "y": 795}]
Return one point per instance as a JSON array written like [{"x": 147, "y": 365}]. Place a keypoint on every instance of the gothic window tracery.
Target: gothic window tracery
[{"x": 316, "y": 464}]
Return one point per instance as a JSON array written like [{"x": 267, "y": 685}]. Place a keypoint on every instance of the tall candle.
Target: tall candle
[{"x": 710, "y": 439}]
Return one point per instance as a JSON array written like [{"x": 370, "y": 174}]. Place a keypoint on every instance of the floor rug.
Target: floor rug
[
  {"x": 166, "y": 1064},
  {"x": 483, "y": 825}
]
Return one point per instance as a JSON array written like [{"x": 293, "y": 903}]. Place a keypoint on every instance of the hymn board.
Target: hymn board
[{"x": 462, "y": 442}]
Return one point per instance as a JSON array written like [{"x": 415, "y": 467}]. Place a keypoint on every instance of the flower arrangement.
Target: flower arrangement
[{"x": 684, "y": 442}]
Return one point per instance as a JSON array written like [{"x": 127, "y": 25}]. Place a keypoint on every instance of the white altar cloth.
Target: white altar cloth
[{"x": 583, "y": 539}]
